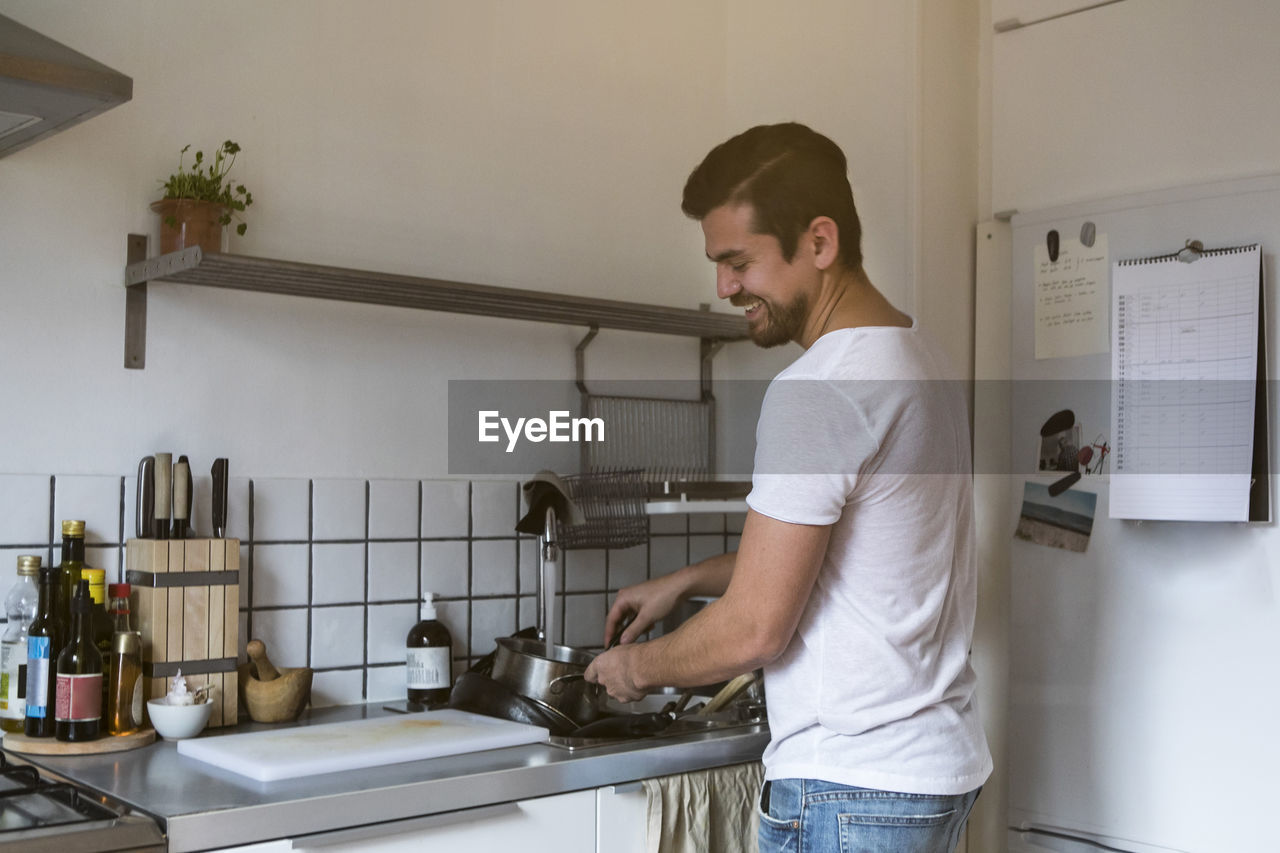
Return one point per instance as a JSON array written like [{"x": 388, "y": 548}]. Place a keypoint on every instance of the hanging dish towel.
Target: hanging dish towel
[{"x": 708, "y": 811}]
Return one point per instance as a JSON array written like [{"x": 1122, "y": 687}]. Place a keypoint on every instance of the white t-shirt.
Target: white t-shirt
[{"x": 864, "y": 432}]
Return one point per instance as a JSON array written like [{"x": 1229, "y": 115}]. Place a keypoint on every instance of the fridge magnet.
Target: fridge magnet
[{"x": 1057, "y": 521}]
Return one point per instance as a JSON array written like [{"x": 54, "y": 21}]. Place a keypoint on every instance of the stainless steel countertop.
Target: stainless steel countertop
[{"x": 204, "y": 807}]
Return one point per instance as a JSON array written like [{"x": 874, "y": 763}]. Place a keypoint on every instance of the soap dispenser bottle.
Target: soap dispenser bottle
[{"x": 429, "y": 655}]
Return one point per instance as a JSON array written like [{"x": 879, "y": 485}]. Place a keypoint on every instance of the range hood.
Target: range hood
[{"x": 46, "y": 87}]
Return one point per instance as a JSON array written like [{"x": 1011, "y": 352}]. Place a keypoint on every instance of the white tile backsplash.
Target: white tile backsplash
[
  {"x": 493, "y": 567},
  {"x": 667, "y": 553},
  {"x": 712, "y": 522},
  {"x": 104, "y": 557},
  {"x": 24, "y": 509},
  {"x": 393, "y": 509},
  {"x": 454, "y": 616},
  {"x": 281, "y": 510},
  {"x": 446, "y": 508},
  {"x": 337, "y": 509},
  {"x": 493, "y": 508},
  {"x": 701, "y": 547},
  {"x": 389, "y": 625},
  {"x": 340, "y": 687},
  {"x": 528, "y": 549},
  {"x": 628, "y": 566},
  {"x": 387, "y": 683},
  {"x": 491, "y": 618},
  {"x": 336, "y": 635},
  {"x": 393, "y": 571},
  {"x": 584, "y": 621},
  {"x": 284, "y": 632},
  {"x": 584, "y": 570},
  {"x": 444, "y": 568},
  {"x": 337, "y": 572},
  {"x": 238, "y": 509},
  {"x": 94, "y": 499},
  {"x": 279, "y": 575},
  {"x": 310, "y": 542}
]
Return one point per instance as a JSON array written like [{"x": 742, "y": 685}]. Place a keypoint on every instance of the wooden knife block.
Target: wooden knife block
[{"x": 185, "y": 598}]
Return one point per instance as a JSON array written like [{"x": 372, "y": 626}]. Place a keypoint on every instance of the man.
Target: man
[{"x": 854, "y": 584}]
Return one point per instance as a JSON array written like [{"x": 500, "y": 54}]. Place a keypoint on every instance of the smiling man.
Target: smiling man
[{"x": 854, "y": 584}]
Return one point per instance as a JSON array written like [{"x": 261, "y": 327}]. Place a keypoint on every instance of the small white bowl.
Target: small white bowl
[{"x": 175, "y": 722}]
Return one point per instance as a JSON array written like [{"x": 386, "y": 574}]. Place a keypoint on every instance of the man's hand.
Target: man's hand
[
  {"x": 613, "y": 671},
  {"x": 644, "y": 604}
]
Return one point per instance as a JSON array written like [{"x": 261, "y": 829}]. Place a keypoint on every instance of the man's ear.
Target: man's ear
[{"x": 825, "y": 235}]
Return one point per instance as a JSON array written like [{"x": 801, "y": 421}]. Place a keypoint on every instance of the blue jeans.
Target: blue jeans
[{"x": 811, "y": 816}]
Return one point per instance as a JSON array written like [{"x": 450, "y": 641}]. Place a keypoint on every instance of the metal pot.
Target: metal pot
[{"x": 549, "y": 674}]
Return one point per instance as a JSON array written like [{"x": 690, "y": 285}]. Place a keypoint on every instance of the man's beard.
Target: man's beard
[{"x": 781, "y": 323}]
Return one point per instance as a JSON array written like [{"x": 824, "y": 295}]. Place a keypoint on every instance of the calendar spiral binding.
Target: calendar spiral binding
[{"x": 1194, "y": 250}]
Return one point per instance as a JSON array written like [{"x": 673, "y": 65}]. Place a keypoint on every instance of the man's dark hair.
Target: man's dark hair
[{"x": 790, "y": 175}]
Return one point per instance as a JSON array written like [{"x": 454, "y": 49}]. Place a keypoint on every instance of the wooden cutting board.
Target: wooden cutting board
[{"x": 287, "y": 753}]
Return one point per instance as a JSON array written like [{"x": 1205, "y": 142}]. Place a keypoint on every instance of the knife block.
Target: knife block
[{"x": 185, "y": 598}]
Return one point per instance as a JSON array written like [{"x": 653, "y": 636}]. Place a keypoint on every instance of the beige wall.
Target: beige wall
[{"x": 539, "y": 145}]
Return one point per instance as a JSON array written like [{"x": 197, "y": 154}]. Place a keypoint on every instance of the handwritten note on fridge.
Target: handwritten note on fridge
[
  {"x": 1184, "y": 366},
  {"x": 1071, "y": 299}
]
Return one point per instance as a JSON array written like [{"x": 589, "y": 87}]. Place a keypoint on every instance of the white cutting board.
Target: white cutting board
[{"x": 332, "y": 747}]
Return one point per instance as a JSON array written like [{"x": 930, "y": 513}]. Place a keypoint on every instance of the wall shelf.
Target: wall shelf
[{"x": 262, "y": 275}]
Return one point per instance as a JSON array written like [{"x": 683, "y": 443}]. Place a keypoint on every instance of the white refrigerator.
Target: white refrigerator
[{"x": 1144, "y": 671}]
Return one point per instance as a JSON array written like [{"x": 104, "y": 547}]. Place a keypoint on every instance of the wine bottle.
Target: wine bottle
[
  {"x": 43, "y": 637},
  {"x": 21, "y": 606},
  {"x": 78, "y": 700},
  {"x": 429, "y": 654},
  {"x": 69, "y": 573}
]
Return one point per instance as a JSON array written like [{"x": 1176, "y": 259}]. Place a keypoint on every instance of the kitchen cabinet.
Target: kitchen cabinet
[
  {"x": 564, "y": 823},
  {"x": 240, "y": 272}
]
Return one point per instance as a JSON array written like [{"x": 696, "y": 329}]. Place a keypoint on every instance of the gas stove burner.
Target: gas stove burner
[{"x": 49, "y": 814}]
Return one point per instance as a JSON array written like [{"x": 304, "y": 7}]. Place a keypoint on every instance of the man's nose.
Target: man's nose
[{"x": 726, "y": 282}]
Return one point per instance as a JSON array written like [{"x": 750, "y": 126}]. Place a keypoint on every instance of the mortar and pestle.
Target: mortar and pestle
[{"x": 272, "y": 695}]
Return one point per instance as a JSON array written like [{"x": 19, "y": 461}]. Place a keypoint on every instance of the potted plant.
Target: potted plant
[{"x": 199, "y": 201}]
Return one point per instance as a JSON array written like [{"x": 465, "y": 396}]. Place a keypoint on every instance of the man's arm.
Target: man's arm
[
  {"x": 646, "y": 603},
  {"x": 747, "y": 627}
]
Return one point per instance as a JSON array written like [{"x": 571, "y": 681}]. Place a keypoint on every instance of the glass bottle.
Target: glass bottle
[
  {"x": 43, "y": 637},
  {"x": 429, "y": 655},
  {"x": 101, "y": 630},
  {"x": 78, "y": 701},
  {"x": 20, "y": 608},
  {"x": 69, "y": 572},
  {"x": 124, "y": 690}
]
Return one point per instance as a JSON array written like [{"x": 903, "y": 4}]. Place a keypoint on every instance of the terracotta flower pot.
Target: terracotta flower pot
[{"x": 195, "y": 223}]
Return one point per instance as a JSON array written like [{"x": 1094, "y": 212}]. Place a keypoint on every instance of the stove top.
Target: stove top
[{"x": 47, "y": 813}]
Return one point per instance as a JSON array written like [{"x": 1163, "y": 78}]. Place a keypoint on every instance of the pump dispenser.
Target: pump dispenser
[{"x": 429, "y": 654}]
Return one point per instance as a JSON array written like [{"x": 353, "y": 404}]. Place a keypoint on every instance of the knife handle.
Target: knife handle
[
  {"x": 145, "y": 511},
  {"x": 181, "y": 497},
  {"x": 164, "y": 493}
]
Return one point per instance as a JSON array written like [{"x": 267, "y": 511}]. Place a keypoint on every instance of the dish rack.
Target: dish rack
[{"x": 613, "y": 506}]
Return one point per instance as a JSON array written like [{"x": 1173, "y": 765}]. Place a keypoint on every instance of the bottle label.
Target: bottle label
[
  {"x": 428, "y": 668},
  {"x": 13, "y": 680},
  {"x": 38, "y": 677},
  {"x": 79, "y": 698}
]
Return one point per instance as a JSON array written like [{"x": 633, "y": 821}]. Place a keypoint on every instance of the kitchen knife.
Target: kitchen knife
[
  {"x": 145, "y": 512},
  {"x": 164, "y": 493},
  {"x": 219, "y": 472},
  {"x": 181, "y": 497}
]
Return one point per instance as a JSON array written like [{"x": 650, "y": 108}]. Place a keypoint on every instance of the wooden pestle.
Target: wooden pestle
[{"x": 258, "y": 654}]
